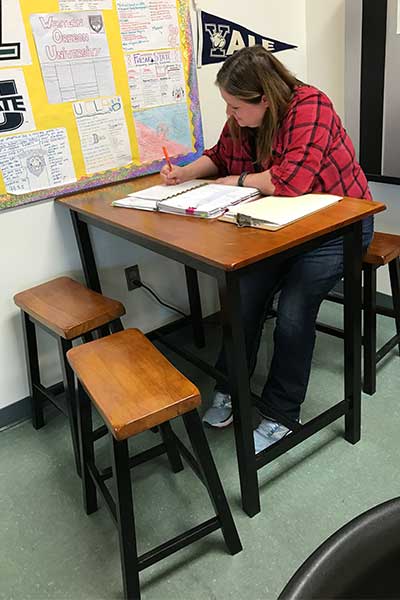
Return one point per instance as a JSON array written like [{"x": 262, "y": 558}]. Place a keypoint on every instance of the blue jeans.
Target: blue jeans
[{"x": 304, "y": 281}]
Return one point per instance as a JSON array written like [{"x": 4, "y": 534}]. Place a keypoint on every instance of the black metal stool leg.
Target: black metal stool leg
[
  {"x": 116, "y": 326},
  {"x": 369, "y": 384},
  {"x": 85, "y": 433},
  {"x": 32, "y": 365},
  {"x": 126, "y": 521},
  {"x": 394, "y": 272},
  {"x": 216, "y": 492},
  {"x": 69, "y": 385},
  {"x": 172, "y": 449}
]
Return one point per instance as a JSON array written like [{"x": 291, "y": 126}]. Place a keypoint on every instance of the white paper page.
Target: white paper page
[
  {"x": 36, "y": 161},
  {"x": 74, "y": 55},
  {"x": 103, "y": 133},
  {"x": 148, "y": 24},
  {"x": 162, "y": 192},
  {"x": 283, "y": 209},
  {"x": 14, "y": 45},
  {"x": 210, "y": 197},
  {"x": 84, "y": 5},
  {"x": 16, "y": 113},
  {"x": 155, "y": 78},
  {"x": 139, "y": 203}
]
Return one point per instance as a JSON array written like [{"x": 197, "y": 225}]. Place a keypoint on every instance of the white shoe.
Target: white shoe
[
  {"x": 220, "y": 412},
  {"x": 268, "y": 433}
]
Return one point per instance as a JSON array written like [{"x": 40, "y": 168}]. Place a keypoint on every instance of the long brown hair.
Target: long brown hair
[{"x": 251, "y": 73}]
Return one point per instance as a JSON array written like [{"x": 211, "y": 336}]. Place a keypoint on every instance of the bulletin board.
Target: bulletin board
[{"x": 91, "y": 91}]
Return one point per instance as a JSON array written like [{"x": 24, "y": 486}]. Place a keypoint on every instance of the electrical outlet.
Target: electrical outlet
[{"x": 133, "y": 277}]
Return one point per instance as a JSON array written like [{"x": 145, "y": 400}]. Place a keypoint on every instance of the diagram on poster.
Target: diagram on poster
[
  {"x": 163, "y": 126},
  {"x": 74, "y": 55},
  {"x": 103, "y": 133},
  {"x": 155, "y": 78},
  {"x": 16, "y": 113},
  {"x": 36, "y": 161},
  {"x": 148, "y": 24}
]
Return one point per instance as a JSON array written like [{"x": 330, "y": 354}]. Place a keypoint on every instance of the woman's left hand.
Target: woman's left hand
[{"x": 230, "y": 180}]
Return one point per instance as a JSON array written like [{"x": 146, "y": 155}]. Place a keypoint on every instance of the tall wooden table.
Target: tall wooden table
[{"x": 226, "y": 252}]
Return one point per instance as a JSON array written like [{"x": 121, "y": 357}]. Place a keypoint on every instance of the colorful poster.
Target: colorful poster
[
  {"x": 163, "y": 126},
  {"x": 148, "y": 24},
  {"x": 16, "y": 113},
  {"x": 103, "y": 133},
  {"x": 155, "y": 78},
  {"x": 14, "y": 49},
  {"x": 36, "y": 161},
  {"x": 74, "y": 56},
  {"x": 85, "y": 5}
]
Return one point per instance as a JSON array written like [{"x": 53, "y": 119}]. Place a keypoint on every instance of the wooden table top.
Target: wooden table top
[{"x": 219, "y": 244}]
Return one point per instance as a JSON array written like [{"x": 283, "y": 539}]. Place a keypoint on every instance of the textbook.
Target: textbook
[
  {"x": 198, "y": 198},
  {"x": 275, "y": 212}
]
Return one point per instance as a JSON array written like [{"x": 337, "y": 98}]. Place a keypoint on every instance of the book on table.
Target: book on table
[
  {"x": 198, "y": 198},
  {"x": 275, "y": 212}
]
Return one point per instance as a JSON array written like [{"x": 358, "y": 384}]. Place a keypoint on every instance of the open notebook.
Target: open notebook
[
  {"x": 198, "y": 198},
  {"x": 274, "y": 212}
]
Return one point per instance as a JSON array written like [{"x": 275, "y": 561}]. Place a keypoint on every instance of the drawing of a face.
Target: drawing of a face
[
  {"x": 178, "y": 93},
  {"x": 96, "y": 23},
  {"x": 35, "y": 164}
]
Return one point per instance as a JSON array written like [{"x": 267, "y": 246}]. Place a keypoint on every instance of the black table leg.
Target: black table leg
[
  {"x": 192, "y": 283},
  {"x": 238, "y": 374},
  {"x": 86, "y": 252},
  {"x": 352, "y": 331}
]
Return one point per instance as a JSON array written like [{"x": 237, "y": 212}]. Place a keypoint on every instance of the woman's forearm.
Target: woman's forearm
[
  {"x": 261, "y": 181},
  {"x": 202, "y": 167}
]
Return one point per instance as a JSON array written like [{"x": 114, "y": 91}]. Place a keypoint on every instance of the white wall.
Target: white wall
[{"x": 325, "y": 30}]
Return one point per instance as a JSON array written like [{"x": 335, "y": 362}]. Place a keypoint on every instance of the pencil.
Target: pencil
[{"x": 167, "y": 157}]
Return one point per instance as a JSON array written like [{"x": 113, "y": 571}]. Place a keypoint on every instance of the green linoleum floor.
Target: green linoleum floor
[{"x": 49, "y": 548}]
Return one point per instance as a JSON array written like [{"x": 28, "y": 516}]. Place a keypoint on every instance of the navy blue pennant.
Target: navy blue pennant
[{"x": 221, "y": 38}]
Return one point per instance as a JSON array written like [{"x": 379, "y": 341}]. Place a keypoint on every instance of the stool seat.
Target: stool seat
[
  {"x": 131, "y": 383},
  {"x": 67, "y": 307},
  {"x": 383, "y": 249}
]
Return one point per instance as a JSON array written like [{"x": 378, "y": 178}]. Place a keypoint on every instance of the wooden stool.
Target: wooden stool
[
  {"x": 67, "y": 310},
  {"x": 383, "y": 250},
  {"x": 135, "y": 388}
]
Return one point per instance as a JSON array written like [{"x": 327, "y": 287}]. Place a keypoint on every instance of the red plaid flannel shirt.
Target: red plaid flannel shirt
[{"x": 311, "y": 152}]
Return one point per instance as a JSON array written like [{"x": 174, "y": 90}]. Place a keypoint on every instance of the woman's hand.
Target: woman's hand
[
  {"x": 174, "y": 175},
  {"x": 229, "y": 180}
]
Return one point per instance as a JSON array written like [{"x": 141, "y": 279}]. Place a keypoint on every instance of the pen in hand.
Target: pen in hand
[{"x": 167, "y": 157}]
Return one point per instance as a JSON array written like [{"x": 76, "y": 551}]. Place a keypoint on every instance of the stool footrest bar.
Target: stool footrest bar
[
  {"x": 138, "y": 459},
  {"x": 306, "y": 431},
  {"x": 390, "y": 344},
  {"x": 177, "y": 543}
]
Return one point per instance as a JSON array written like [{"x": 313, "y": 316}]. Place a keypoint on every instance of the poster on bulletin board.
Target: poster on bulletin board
[{"x": 91, "y": 91}]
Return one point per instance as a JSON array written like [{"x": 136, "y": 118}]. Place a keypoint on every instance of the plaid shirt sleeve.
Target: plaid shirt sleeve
[{"x": 306, "y": 135}]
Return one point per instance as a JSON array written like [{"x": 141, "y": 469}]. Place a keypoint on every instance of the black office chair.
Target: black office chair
[{"x": 360, "y": 560}]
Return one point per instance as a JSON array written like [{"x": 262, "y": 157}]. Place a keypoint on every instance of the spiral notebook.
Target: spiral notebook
[{"x": 198, "y": 198}]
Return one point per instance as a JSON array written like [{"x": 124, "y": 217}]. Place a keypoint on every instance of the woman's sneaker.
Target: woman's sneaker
[
  {"x": 220, "y": 412},
  {"x": 267, "y": 433}
]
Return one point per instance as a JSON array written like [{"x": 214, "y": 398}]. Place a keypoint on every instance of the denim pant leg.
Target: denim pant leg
[
  {"x": 308, "y": 280},
  {"x": 257, "y": 288}
]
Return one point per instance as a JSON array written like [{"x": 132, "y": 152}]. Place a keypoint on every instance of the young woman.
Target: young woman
[{"x": 284, "y": 138}]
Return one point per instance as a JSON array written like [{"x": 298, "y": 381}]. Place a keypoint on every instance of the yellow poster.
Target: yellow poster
[{"x": 91, "y": 91}]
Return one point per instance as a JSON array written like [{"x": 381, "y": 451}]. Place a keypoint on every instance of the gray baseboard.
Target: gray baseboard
[{"x": 15, "y": 413}]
